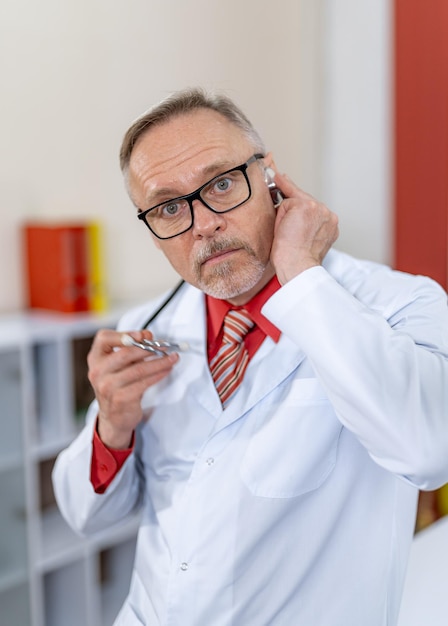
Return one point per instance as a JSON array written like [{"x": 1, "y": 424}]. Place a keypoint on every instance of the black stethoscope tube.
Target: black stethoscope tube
[{"x": 163, "y": 305}]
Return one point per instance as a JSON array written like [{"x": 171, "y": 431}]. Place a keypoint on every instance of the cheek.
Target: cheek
[
  {"x": 156, "y": 242},
  {"x": 265, "y": 232}
]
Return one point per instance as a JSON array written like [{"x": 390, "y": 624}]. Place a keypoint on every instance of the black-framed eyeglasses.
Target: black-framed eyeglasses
[{"x": 221, "y": 194}]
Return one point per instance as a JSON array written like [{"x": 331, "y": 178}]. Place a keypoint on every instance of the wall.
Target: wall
[
  {"x": 421, "y": 138},
  {"x": 75, "y": 74},
  {"x": 356, "y": 158}
]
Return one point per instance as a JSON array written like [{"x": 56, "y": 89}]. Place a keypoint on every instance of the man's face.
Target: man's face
[{"x": 225, "y": 255}]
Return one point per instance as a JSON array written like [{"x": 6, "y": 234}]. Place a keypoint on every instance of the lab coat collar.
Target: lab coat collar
[{"x": 185, "y": 321}]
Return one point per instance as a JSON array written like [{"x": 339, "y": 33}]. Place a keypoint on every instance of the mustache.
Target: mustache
[{"x": 220, "y": 245}]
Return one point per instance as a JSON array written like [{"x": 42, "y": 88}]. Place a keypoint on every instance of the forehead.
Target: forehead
[
  {"x": 191, "y": 131},
  {"x": 184, "y": 146}
]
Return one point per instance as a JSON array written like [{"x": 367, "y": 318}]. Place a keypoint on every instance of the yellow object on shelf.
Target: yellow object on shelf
[
  {"x": 98, "y": 301},
  {"x": 442, "y": 500}
]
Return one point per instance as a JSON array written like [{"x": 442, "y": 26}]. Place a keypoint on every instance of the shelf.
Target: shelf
[
  {"x": 60, "y": 545},
  {"x": 49, "y": 575},
  {"x": 49, "y": 389},
  {"x": 23, "y": 327},
  {"x": 62, "y": 393},
  {"x": 115, "y": 575},
  {"x": 12, "y": 579},
  {"x": 11, "y": 461},
  {"x": 13, "y": 536},
  {"x": 82, "y": 390},
  {"x": 15, "y": 606},
  {"x": 65, "y": 598},
  {"x": 11, "y": 400},
  {"x": 51, "y": 446}
]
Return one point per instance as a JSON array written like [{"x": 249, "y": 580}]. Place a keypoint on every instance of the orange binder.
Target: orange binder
[{"x": 56, "y": 266}]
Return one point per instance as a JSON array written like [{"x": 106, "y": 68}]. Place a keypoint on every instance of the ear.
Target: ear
[{"x": 269, "y": 161}]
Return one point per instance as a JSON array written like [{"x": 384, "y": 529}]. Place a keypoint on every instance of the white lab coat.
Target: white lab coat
[{"x": 326, "y": 444}]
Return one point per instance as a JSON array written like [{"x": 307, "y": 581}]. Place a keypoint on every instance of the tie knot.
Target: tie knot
[{"x": 237, "y": 324}]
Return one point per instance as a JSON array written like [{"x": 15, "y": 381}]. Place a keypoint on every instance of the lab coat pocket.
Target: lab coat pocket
[{"x": 293, "y": 446}]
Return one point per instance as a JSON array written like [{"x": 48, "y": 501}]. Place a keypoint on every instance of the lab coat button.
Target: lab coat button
[
  {"x": 210, "y": 461},
  {"x": 184, "y": 567}
]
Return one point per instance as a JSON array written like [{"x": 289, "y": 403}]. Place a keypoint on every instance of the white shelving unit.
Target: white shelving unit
[{"x": 49, "y": 576}]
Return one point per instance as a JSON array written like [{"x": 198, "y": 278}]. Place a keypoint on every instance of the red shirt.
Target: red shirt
[
  {"x": 107, "y": 462},
  {"x": 217, "y": 310}
]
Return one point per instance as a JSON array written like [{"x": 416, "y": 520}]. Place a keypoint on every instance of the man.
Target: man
[{"x": 290, "y": 498}]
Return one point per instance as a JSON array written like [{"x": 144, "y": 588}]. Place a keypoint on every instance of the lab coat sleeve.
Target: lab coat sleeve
[
  {"x": 84, "y": 510},
  {"x": 381, "y": 353}
]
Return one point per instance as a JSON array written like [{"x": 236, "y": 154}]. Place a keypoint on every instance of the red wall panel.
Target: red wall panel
[{"x": 421, "y": 137}]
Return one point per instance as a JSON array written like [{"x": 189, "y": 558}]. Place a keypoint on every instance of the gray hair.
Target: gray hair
[{"x": 182, "y": 102}]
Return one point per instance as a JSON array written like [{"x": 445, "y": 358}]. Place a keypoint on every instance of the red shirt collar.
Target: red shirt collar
[{"x": 217, "y": 309}]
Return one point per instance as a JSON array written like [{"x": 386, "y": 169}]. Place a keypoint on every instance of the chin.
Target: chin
[{"x": 227, "y": 282}]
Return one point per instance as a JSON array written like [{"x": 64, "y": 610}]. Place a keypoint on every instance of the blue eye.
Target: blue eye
[
  {"x": 170, "y": 209},
  {"x": 223, "y": 184}
]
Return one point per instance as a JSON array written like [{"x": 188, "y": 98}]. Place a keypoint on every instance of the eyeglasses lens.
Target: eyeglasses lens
[{"x": 223, "y": 193}]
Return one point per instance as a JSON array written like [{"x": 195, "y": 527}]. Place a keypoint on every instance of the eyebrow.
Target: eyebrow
[{"x": 210, "y": 171}]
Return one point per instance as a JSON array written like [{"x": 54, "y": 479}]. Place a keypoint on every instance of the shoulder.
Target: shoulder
[
  {"x": 370, "y": 281},
  {"x": 413, "y": 303}
]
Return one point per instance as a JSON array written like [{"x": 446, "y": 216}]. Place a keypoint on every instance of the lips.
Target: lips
[{"x": 219, "y": 254}]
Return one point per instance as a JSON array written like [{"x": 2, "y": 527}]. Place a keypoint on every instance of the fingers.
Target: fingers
[
  {"x": 287, "y": 187},
  {"x": 107, "y": 341},
  {"x": 304, "y": 231},
  {"x": 108, "y": 356},
  {"x": 136, "y": 374},
  {"x": 120, "y": 375}
]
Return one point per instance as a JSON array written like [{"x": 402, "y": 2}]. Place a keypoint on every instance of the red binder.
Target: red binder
[{"x": 56, "y": 266}]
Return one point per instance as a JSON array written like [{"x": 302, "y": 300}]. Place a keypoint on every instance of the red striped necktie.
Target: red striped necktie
[{"x": 229, "y": 364}]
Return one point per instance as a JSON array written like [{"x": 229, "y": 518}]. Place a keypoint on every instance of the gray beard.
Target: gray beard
[{"x": 223, "y": 281}]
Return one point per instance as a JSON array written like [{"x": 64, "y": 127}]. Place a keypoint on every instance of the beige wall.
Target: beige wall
[
  {"x": 356, "y": 111},
  {"x": 75, "y": 74}
]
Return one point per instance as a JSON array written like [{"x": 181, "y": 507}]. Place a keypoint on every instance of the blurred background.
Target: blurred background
[{"x": 313, "y": 75}]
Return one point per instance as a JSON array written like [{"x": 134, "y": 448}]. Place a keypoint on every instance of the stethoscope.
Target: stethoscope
[
  {"x": 157, "y": 347},
  {"x": 164, "y": 304}
]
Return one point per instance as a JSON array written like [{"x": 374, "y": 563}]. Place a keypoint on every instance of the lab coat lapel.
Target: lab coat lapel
[
  {"x": 270, "y": 366},
  {"x": 186, "y": 322}
]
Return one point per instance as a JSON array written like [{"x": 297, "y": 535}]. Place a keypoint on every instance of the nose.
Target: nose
[{"x": 206, "y": 222}]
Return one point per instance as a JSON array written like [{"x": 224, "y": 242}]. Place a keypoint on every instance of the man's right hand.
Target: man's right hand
[{"x": 119, "y": 376}]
